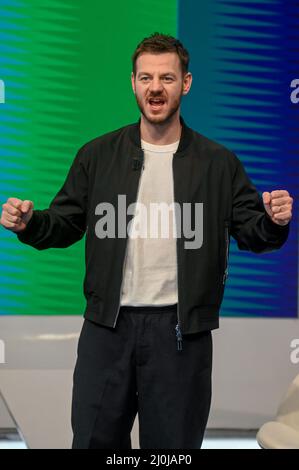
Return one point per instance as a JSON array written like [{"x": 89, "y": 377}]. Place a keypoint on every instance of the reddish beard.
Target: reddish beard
[{"x": 159, "y": 119}]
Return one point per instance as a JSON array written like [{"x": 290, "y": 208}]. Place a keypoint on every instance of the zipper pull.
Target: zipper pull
[{"x": 179, "y": 337}]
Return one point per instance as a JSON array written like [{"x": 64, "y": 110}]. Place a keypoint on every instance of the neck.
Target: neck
[{"x": 161, "y": 134}]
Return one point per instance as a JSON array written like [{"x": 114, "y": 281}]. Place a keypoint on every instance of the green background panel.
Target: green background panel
[{"x": 66, "y": 67}]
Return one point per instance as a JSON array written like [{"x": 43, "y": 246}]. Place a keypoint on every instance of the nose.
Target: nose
[{"x": 156, "y": 85}]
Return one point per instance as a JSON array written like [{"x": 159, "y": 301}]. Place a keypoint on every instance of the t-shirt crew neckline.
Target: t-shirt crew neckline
[{"x": 160, "y": 148}]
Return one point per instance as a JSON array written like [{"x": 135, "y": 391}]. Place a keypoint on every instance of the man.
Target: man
[{"x": 152, "y": 301}]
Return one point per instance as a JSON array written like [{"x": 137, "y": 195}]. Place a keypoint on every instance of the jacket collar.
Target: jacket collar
[{"x": 185, "y": 140}]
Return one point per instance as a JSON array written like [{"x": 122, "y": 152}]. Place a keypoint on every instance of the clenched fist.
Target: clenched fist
[
  {"x": 278, "y": 205},
  {"x": 16, "y": 214}
]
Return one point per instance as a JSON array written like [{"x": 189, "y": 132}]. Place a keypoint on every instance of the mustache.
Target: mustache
[{"x": 156, "y": 96}]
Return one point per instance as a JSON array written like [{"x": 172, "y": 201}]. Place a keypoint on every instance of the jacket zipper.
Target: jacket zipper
[
  {"x": 225, "y": 275},
  {"x": 121, "y": 284},
  {"x": 178, "y": 330},
  {"x": 125, "y": 257}
]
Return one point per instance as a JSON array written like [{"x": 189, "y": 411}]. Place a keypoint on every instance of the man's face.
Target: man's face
[{"x": 159, "y": 85}]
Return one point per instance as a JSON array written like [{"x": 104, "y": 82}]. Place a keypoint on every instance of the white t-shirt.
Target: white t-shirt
[{"x": 150, "y": 269}]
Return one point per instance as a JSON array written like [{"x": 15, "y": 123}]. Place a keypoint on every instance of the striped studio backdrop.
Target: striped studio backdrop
[{"x": 65, "y": 79}]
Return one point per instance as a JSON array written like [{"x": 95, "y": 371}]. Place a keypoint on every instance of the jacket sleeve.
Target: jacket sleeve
[
  {"x": 252, "y": 227},
  {"x": 64, "y": 222}
]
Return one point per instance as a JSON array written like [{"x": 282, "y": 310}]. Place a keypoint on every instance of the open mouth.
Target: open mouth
[{"x": 156, "y": 103}]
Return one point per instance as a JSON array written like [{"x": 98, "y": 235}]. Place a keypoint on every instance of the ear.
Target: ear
[
  {"x": 133, "y": 82},
  {"x": 187, "y": 81}
]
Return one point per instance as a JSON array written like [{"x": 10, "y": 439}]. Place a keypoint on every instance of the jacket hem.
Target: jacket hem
[{"x": 198, "y": 321}]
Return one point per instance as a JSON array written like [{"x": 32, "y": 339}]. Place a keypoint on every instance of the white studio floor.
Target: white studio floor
[
  {"x": 11, "y": 436},
  {"x": 214, "y": 439},
  {"x": 230, "y": 439}
]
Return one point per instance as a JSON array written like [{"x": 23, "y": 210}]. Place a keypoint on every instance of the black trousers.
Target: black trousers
[{"x": 137, "y": 368}]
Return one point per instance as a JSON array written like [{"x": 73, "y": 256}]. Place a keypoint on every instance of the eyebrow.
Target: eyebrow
[{"x": 172, "y": 74}]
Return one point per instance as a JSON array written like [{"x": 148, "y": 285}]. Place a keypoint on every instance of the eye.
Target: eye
[
  {"x": 144, "y": 79},
  {"x": 168, "y": 79}
]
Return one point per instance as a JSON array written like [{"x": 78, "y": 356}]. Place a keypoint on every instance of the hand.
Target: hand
[
  {"x": 16, "y": 214},
  {"x": 278, "y": 205}
]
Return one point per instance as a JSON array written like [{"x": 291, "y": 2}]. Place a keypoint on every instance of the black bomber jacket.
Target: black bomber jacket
[{"x": 203, "y": 171}]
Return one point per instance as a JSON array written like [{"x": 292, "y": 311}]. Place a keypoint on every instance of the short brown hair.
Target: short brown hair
[{"x": 159, "y": 43}]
